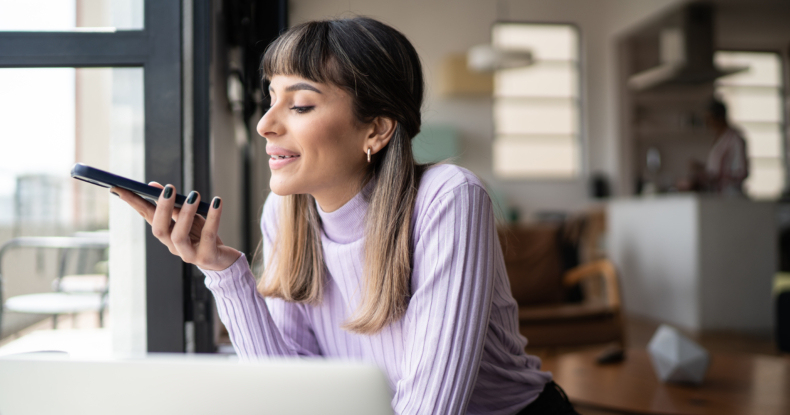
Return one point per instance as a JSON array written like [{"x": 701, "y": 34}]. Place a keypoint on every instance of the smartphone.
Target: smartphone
[{"x": 106, "y": 179}]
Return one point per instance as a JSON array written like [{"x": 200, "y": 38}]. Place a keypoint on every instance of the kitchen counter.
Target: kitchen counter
[{"x": 696, "y": 261}]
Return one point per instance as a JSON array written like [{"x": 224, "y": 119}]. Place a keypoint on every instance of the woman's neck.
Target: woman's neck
[{"x": 330, "y": 200}]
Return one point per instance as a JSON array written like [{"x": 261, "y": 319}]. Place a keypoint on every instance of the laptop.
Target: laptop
[{"x": 52, "y": 383}]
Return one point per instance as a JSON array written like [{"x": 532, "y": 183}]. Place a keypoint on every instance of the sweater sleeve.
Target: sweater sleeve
[
  {"x": 258, "y": 326},
  {"x": 254, "y": 323},
  {"x": 446, "y": 322}
]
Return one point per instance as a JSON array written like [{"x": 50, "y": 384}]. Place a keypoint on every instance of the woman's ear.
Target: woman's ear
[{"x": 381, "y": 132}]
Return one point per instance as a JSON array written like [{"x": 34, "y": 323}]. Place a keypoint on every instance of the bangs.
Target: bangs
[{"x": 303, "y": 51}]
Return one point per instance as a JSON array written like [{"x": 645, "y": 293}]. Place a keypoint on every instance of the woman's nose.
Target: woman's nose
[
  {"x": 268, "y": 125},
  {"x": 261, "y": 126}
]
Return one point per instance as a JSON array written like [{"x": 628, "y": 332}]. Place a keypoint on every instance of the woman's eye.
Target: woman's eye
[{"x": 302, "y": 110}]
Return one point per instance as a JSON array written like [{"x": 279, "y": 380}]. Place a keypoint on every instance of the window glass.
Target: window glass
[
  {"x": 754, "y": 104},
  {"x": 537, "y": 157},
  {"x": 765, "y": 69},
  {"x": 543, "y": 79},
  {"x": 536, "y": 108},
  {"x": 70, "y": 15},
  {"x": 535, "y": 116},
  {"x": 51, "y": 118},
  {"x": 766, "y": 177},
  {"x": 547, "y": 42},
  {"x": 763, "y": 139}
]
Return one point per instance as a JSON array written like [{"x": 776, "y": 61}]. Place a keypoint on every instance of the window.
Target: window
[
  {"x": 71, "y": 15},
  {"x": 754, "y": 104},
  {"x": 124, "y": 86},
  {"x": 97, "y": 119},
  {"x": 536, "y": 108}
]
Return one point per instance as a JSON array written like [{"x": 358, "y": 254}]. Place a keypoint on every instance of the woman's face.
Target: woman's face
[{"x": 315, "y": 144}]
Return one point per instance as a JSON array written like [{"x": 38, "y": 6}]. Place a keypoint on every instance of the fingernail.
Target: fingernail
[
  {"x": 192, "y": 197},
  {"x": 115, "y": 194},
  {"x": 216, "y": 203},
  {"x": 168, "y": 191}
]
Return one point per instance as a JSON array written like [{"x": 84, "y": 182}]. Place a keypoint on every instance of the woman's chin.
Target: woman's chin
[
  {"x": 279, "y": 191},
  {"x": 279, "y": 188}
]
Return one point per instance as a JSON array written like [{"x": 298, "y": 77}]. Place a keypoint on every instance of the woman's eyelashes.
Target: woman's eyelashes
[
  {"x": 302, "y": 110},
  {"x": 299, "y": 109}
]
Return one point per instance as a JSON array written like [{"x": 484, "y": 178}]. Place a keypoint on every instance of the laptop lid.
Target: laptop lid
[{"x": 189, "y": 384}]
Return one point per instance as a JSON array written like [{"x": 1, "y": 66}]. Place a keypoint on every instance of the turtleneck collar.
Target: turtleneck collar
[{"x": 347, "y": 224}]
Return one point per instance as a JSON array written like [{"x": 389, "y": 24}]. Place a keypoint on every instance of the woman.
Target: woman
[{"x": 367, "y": 254}]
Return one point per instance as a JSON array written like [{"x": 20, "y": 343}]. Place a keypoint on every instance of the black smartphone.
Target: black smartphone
[{"x": 106, "y": 179}]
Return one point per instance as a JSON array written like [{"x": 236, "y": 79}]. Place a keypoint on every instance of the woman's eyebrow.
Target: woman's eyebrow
[{"x": 301, "y": 86}]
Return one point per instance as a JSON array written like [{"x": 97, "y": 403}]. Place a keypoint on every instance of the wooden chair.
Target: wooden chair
[{"x": 541, "y": 285}]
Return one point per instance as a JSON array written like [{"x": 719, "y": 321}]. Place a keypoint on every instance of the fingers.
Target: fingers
[
  {"x": 156, "y": 184},
  {"x": 190, "y": 236},
  {"x": 143, "y": 207},
  {"x": 180, "y": 236},
  {"x": 208, "y": 236},
  {"x": 161, "y": 222},
  {"x": 174, "y": 215}
]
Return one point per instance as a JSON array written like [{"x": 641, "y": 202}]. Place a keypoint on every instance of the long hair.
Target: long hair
[{"x": 381, "y": 71}]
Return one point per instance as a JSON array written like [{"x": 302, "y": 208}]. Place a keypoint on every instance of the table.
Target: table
[{"x": 736, "y": 383}]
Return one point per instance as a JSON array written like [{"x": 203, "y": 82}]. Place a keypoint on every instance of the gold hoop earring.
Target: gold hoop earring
[{"x": 368, "y": 154}]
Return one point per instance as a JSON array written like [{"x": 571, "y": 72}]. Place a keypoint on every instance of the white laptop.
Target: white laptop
[{"x": 42, "y": 383}]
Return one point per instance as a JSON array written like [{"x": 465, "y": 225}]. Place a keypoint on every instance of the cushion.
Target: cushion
[{"x": 533, "y": 264}]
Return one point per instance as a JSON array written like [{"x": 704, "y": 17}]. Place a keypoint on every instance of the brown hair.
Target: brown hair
[{"x": 381, "y": 71}]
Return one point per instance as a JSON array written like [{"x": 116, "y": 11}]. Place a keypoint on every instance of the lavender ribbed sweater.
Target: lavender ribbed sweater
[{"x": 457, "y": 350}]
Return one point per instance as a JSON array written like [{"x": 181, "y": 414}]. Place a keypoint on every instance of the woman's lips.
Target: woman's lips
[
  {"x": 278, "y": 162},
  {"x": 279, "y": 156}
]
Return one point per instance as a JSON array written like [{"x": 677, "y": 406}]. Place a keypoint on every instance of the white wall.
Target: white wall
[{"x": 440, "y": 27}]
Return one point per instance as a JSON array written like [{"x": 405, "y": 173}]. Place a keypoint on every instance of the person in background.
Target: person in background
[{"x": 727, "y": 165}]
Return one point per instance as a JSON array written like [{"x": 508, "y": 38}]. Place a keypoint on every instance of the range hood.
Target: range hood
[{"x": 686, "y": 51}]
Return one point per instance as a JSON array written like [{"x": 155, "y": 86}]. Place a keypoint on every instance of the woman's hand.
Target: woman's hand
[{"x": 184, "y": 232}]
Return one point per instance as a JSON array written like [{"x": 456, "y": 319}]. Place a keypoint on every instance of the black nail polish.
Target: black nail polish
[
  {"x": 192, "y": 197},
  {"x": 216, "y": 203},
  {"x": 168, "y": 191},
  {"x": 115, "y": 194}
]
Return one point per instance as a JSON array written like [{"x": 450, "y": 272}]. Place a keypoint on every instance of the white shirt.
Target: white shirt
[{"x": 728, "y": 165}]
